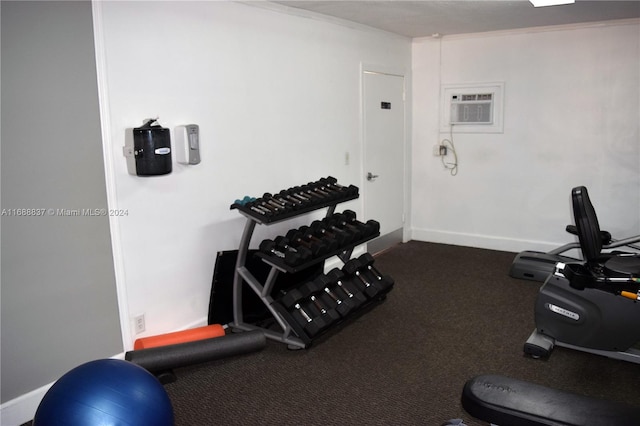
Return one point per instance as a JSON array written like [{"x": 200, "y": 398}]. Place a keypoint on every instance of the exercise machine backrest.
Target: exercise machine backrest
[
  {"x": 599, "y": 268},
  {"x": 589, "y": 233}
]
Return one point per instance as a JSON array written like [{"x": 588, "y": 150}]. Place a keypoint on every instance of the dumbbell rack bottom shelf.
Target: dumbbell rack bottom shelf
[
  {"x": 289, "y": 334},
  {"x": 335, "y": 327}
]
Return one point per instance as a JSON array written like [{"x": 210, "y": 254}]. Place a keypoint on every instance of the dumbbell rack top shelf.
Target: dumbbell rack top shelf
[
  {"x": 263, "y": 220},
  {"x": 263, "y": 290}
]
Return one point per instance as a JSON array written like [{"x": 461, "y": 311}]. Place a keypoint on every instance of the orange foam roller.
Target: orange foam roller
[{"x": 191, "y": 335}]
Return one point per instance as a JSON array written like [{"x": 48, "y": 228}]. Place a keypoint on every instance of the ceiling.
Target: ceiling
[{"x": 429, "y": 17}]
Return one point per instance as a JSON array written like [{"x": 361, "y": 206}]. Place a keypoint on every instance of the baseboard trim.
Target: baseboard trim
[
  {"x": 482, "y": 241},
  {"x": 386, "y": 241},
  {"x": 22, "y": 409}
]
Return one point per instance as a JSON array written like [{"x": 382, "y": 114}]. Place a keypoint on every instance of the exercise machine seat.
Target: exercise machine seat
[
  {"x": 590, "y": 237},
  {"x": 506, "y": 401}
]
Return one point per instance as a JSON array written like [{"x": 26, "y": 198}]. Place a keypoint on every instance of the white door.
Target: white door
[{"x": 384, "y": 140}]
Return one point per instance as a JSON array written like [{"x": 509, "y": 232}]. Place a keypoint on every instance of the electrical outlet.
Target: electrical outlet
[
  {"x": 440, "y": 150},
  {"x": 139, "y": 324}
]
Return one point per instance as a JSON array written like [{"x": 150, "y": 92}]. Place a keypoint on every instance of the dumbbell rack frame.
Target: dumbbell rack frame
[{"x": 263, "y": 290}]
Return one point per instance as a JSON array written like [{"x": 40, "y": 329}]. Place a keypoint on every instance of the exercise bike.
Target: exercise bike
[{"x": 593, "y": 305}]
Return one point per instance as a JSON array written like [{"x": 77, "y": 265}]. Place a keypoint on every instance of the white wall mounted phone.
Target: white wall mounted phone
[{"x": 188, "y": 144}]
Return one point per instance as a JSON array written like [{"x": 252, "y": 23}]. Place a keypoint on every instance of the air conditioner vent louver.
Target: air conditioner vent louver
[{"x": 472, "y": 108}]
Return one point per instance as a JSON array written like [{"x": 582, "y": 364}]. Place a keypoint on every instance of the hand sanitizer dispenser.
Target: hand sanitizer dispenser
[{"x": 188, "y": 144}]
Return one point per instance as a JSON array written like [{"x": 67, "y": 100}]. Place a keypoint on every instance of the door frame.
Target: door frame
[{"x": 369, "y": 68}]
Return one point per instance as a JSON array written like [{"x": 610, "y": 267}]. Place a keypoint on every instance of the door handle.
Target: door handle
[{"x": 371, "y": 176}]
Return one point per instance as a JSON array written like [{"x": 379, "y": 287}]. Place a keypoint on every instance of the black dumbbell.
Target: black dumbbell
[
  {"x": 322, "y": 190},
  {"x": 311, "y": 325},
  {"x": 259, "y": 206},
  {"x": 320, "y": 228},
  {"x": 304, "y": 313},
  {"x": 337, "y": 221},
  {"x": 371, "y": 288},
  {"x": 356, "y": 296},
  {"x": 310, "y": 235},
  {"x": 278, "y": 202},
  {"x": 332, "y": 224},
  {"x": 251, "y": 205},
  {"x": 342, "y": 305},
  {"x": 283, "y": 244},
  {"x": 273, "y": 204},
  {"x": 333, "y": 182},
  {"x": 291, "y": 192},
  {"x": 349, "y": 217},
  {"x": 291, "y": 298},
  {"x": 298, "y": 191},
  {"x": 308, "y": 288},
  {"x": 316, "y": 196},
  {"x": 289, "y": 257},
  {"x": 366, "y": 261},
  {"x": 330, "y": 315},
  {"x": 333, "y": 191},
  {"x": 371, "y": 225},
  {"x": 312, "y": 291},
  {"x": 284, "y": 194},
  {"x": 297, "y": 239}
]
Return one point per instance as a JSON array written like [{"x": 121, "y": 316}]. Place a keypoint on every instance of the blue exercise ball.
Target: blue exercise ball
[{"x": 106, "y": 392}]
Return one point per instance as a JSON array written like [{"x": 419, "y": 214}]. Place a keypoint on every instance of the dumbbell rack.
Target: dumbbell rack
[{"x": 290, "y": 332}]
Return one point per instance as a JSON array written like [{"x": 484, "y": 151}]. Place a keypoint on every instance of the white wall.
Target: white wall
[
  {"x": 277, "y": 98},
  {"x": 571, "y": 117}
]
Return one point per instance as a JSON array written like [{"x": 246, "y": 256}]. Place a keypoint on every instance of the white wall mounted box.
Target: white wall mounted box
[
  {"x": 472, "y": 108},
  {"x": 188, "y": 144}
]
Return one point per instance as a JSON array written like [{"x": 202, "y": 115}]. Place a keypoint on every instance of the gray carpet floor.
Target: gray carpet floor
[{"x": 454, "y": 313}]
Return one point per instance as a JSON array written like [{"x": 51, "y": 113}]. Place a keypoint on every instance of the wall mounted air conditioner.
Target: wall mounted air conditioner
[{"x": 472, "y": 108}]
